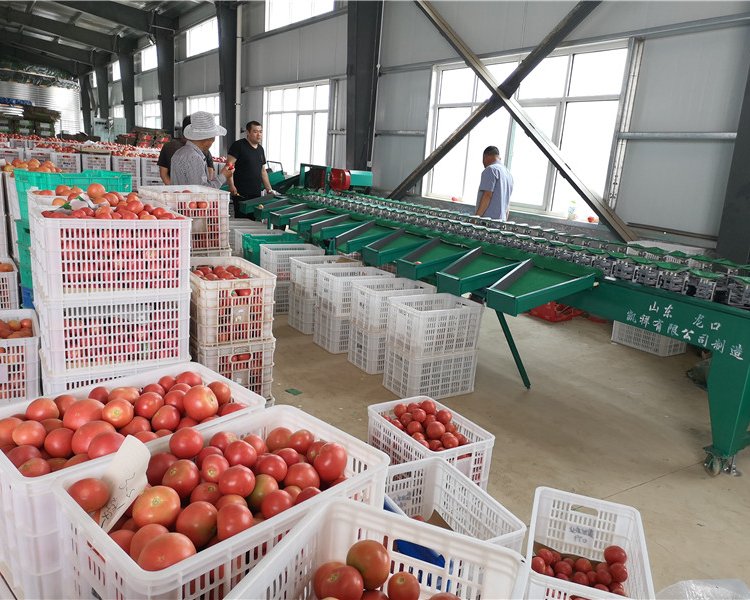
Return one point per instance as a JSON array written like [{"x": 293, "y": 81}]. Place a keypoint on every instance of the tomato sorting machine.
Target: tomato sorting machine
[{"x": 516, "y": 267}]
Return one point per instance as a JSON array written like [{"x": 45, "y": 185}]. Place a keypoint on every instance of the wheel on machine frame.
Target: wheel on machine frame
[{"x": 713, "y": 465}]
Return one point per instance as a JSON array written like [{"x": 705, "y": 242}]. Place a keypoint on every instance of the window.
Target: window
[
  {"x": 151, "y": 114},
  {"x": 296, "y": 124},
  {"x": 118, "y": 112},
  {"x": 116, "y": 71},
  {"x": 572, "y": 98},
  {"x": 93, "y": 79},
  {"x": 149, "y": 59},
  {"x": 284, "y": 12},
  {"x": 203, "y": 37},
  {"x": 208, "y": 104}
]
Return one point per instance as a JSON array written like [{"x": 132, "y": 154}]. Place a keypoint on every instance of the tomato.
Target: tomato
[
  {"x": 617, "y": 588},
  {"x": 21, "y": 454},
  {"x": 143, "y": 536},
  {"x": 375, "y": 595},
  {"x": 331, "y": 461},
  {"x": 147, "y": 404},
  {"x": 604, "y": 577},
  {"x": 7, "y": 426},
  {"x": 105, "y": 443},
  {"x": 538, "y": 564},
  {"x": 578, "y": 577},
  {"x": 167, "y": 417},
  {"x": 88, "y": 431},
  {"x": 131, "y": 394},
  {"x": 237, "y": 480},
  {"x": 222, "y": 392},
  {"x": 155, "y": 388},
  {"x": 158, "y": 465},
  {"x": 182, "y": 476},
  {"x": 343, "y": 583},
  {"x": 230, "y": 499},
  {"x": 190, "y": 378},
  {"x": 197, "y": 521},
  {"x": 449, "y": 440},
  {"x": 159, "y": 504},
  {"x": 264, "y": 485},
  {"x": 306, "y": 494},
  {"x": 35, "y": 467},
  {"x": 207, "y": 492},
  {"x": 444, "y": 416},
  {"x": 273, "y": 465},
  {"x": 403, "y": 586},
  {"x": 95, "y": 190},
  {"x": 200, "y": 402},
  {"x": 167, "y": 382},
  {"x": 615, "y": 554},
  {"x": 118, "y": 412},
  {"x": 274, "y": 503},
  {"x": 98, "y": 393},
  {"x": 222, "y": 440},
  {"x": 136, "y": 425},
  {"x": 619, "y": 572},
  {"x": 371, "y": 559},
  {"x": 314, "y": 450},
  {"x": 435, "y": 430},
  {"x": 546, "y": 555},
  {"x": 428, "y": 406},
  {"x": 55, "y": 464},
  {"x": 145, "y": 436},
  {"x": 301, "y": 441},
  {"x": 226, "y": 409},
  {"x": 414, "y": 427},
  {"x": 164, "y": 551},
  {"x": 212, "y": 468},
  {"x": 562, "y": 567},
  {"x": 583, "y": 565},
  {"x": 205, "y": 453},
  {"x": 290, "y": 456},
  {"x": 278, "y": 438},
  {"x": 90, "y": 493},
  {"x": 321, "y": 573},
  {"x": 232, "y": 519},
  {"x": 303, "y": 475},
  {"x": 31, "y": 433},
  {"x": 42, "y": 408},
  {"x": 185, "y": 443},
  {"x": 240, "y": 453},
  {"x": 256, "y": 442},
  {"x": 81, "y": 412},
  {"x": 174, "y": 398},
  {"x": 122, "y": 538},
  {"x": 444, "y": 596},
  {"x": 76, "y": 460}
]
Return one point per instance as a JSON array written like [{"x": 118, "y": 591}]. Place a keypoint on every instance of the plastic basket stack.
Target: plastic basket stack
[
  {"x": 431, "y": 345},
  {"x": 238, "y": 231},
  {"x": 333, "y": 304},
  {"x": 149, "y": 171},
  {"x": 303, "y": 277},
  {"x": 112, "y": 296},
  {"x": 276, "y": 259},
  {"x": 128, "y": 164},
  {"x": 231, "y": 323},
  {"x": 19, "y": 357},
  {"x": 369, "y": 325},
  {"x": 207, "y": 207}
]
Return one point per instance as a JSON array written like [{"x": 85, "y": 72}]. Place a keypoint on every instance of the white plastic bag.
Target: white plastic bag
[{"x": 705, "y": 589}]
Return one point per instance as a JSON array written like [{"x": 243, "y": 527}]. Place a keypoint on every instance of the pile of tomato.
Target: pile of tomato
[
  {"x": 210, "y": 273},
  {"x": 607, "y": 575},
  {"x": 15, "y": 328},
  {"x": 432, "y": 428},
  {"x": 201, "y": 495},
  {"x": 54, "y": 434}
]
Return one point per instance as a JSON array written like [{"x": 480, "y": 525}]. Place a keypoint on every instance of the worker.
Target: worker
[
  {"x": 189, "y": 162},
  {"x": 495, "y": 187},
  {"x": 168, "y": 150},
  {"x": 249, "y": 178}
]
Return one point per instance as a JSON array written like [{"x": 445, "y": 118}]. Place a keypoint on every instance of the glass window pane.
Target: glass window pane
[
  {"x": 500, "y": 72},
  {"x": 306, "y": 98},
  {"x": 285, "y": 12},
  {"x": 116, "y": 71},
  {"x": 598, "y": 72},
  {"x": 527, "y": 164},
  {"x": 286, "y": 150},
  {"x": 493, "y": 131},
  {"x": 586, "y": 146},
  {"x": 321, "y": 96},
  {"x": 457, "y": 85},
  {"x": 547, "y": 80},
  {"x": 304, "y": 138},
  {"x": 320, "y": 138},
  {"x": 275, "y": 100},
  {"x": 272, "y": 138},
  {"x": 448, "y": 174},
  {"x": 148, "y": 58},
  {"x": 290, "y": 99}
]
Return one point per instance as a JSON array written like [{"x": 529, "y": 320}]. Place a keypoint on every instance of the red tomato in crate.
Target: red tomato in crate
[
  {"x": 183, "y": 477},
  {"x": 90, "y": 493},
  {"x": 322, "y": 573},
  {"x": 86, "y": 433},
  {"x": 105, "y": 443},
  {"x": 403, "y": 586},
  {"x": 206, "y": 491},
  {"x": 29, "y": 433},
  {"x": 200, "y": 402},
  {"x": 273, "y": 465},
  {"x": 159, "y": 504},
  {"x": 118, "y": 412},
  {"x": 232, "y": 519},
  {"x": 197, "y": 521},
  {"x": 164, "y": 551},
  {"x": 186, "y": 443},
  {"x": 240, "y": 452},
  {"x": 158, "y": 465},
  {"x": 343, "y": 583},
  {"x": 302, "y": 475},
  {"x": 278, "y": 438},
  {"x": 275, "y": 502},
  {"x": 331, "y": 461},
  {"x": 237, "y": 480},
  {"x": 264, "y": 485},
  {"x": 371, "y": 559},
  {"x": 81, "y": 412},
  {"x": 212, "y": 468},
  {"x": 41, "y": 409}
]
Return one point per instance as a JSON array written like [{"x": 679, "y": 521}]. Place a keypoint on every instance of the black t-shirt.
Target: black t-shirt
[
  {"x": 168, "y": 150},
  {"x": 247, "y": 169}
]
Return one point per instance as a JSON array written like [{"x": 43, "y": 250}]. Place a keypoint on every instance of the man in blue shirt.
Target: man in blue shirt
[{"x": 495, "y": 187}]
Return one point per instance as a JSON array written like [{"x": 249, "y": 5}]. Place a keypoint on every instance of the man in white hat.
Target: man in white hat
[{"x": 189, "y": 162}]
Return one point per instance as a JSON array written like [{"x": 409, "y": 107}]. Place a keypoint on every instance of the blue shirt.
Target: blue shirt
[
  {"x": 498, "y": 180},
  {"x": 189, "y": 168}
]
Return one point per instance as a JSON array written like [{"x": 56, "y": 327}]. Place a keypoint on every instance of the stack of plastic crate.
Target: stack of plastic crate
[
  {"x": 238, "y": 228},
  {"x": 333, "y": 304},
  {"x": 231, "y": 322},
  {"x": 369, "y": 323},
  {"x": 303, "y": 276},
  {"x": 128, "y": 164},
  {"x": 112, "y": 296},
  {"x": 276, "y": 258},
  {"x": 207, "y": 207},
  {"x": 19, "y": 359},
  {"x": 149, "y": 172},
  {"x": 431, "y": 345},
  {"x": 8, "y": 284},
  {"x": 90, "y": 160},
  {"x": 69, "y": 162}
]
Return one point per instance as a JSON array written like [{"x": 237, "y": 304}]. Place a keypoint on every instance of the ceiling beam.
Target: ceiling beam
[
  {"x": 40, "y": 59},
  {"x": 121, "y": 14},
  {"x": 87, "y": 57}
]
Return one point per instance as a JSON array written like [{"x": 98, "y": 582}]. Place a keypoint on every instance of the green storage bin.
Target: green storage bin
[
  {"x": 24, "y": 265},
  {"x": 252, "y": 242},
  {"x": 24, "y": 234}
]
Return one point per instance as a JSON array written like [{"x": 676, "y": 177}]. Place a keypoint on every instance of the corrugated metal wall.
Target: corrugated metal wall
[{"x": 66, "y": 101}]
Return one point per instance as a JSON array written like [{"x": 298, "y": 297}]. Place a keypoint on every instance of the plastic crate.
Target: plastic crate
[
  {"x": 648, "y": 341},
  {"x": 432, "y": 485},
  {"x": 470, "y": 568},
  {"x": 82, "y": 337},
  {"x": 281, "y": 298},
  {"x": 28, "y": 515},
  {"x": 130, "y": 165},
  {"x": 96, "y": 161},
  {"x": 578, "y": 525},
  {"x": 331, "y": 332},
  {"x": 275, "y": 257},
  {"x": 333, "y": 287},
  {"x": 472, "y": 459},
  {"x": 98, "y": 567},
  {"x": 68, "y": 162},
  {"x": 206, "y": 206},
  {"x": 9, "y": 287},
  {"x": 301, "y": 312},
  {"x": 94, "y": 258},
  {"x": 40, "y": 154},
  {"x": 304, "y": 270},
  {"x": 433, "y": 324},
  {"x": 237, "y": 232},
  {"x": 367, "y": 349},
  {"x": 438, "y": 376},
  {"x": 251, "y": 242},
  {"x": 249, "y": 365},
  {"x": 54, "y": 385},
  {"x": 19, "y": 361},
  {"x": 222, "y": 314},
  {"x": 150, "y": 170},
  {"x": 370, "y": 299}
]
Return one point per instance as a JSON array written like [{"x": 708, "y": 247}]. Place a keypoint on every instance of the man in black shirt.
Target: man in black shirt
[
  {"x": 249, "y": 160},
  {"x": 167, "y": 151}
]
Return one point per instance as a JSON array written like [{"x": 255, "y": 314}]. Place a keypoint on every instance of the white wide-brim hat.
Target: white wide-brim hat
[{"x": 202, "y": 126}]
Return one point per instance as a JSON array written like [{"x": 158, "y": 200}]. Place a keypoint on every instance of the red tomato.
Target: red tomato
[
  {"x": 180, "y": 387},
  {"x": 615, "y": 554},
  {"x": 167, "y": 417},
  {"x": 35, "y": 467},
  {"x": 256, "y": 442},
  {"x": 197, "y": 521},
  {"x": 42, "y": 408},
  {"x": 118, "y": 412},
  {"x": 264, "y": 484},
  {"x": 76, "y": 460},
  {"x": 617, "y": 588},
  {"x": 274, "y": 503},
  {"x": 122, "y": 538},
  {"x": 182, "y": 476},
  {"x": 428, "y": 406},
  {"x": 302, "y": 475},
  {"x": 376, "y": 595},
  {"x": 226, "y": 409},
  {"x": 291, "y": 457},
  {"x": 306, "y": 494},
  {"x": 7, "y": 426},
  {"x": 278, "y": 438},
  {"x": 403, "y": 586},
  {"x": 435, "y": 430},
  {"x": 158, "y": 465},
  {"x": 371, "y": 559},
  {"x": 321, "y": 573},
  {"x": 619, "y": 572},
  {"x": 147, "y": 436},
  {"x": 206, "y": 491},
  {"x": 206, "y": 452},
  {"x": 105, "y": 443},
  {"x": 580, "y": 578},
  {"x": 81, "y": 412},
  {"x": 399, "y": 410},
  {"x": 301, "y": 441},
  {"x": 414, "y": 427},
  {"x": 583, "y": 565},
  {"x": 185, "y": 443},
  {"x": 164, "y": 551},
  {"x": 230, "y": 499},
  {"x": 174, "y": 398},
  {"x": 55, "y": 464},
  {"x": 419, "y": 415},
  {"x": 292, "y": 490},
  {"x": 222, "y": 440},
  {"x": 343, "y": 583},
  {"x": 159, "y": 504},
  {"x": 237, "y": 480},
  {"x": 95, "y": 190},
  {"x": 200, "y": 402},
  {"x": 240, "y": 453},
  {"x": 232, "y": 519},
  {"x": 147, "y": 404},
  {"x": 222, "y": 392},
  {"x": 98, "y": 393},
  {"x": 603, "y": 577},
  {"x": 212, "y": 468},
  {"x": 186, "y": 422},
  {"x": 190, "y": 378},
  {"x": 31, "y": 433},
  {"x": 449, "y": 440},
  {"x": 331, "y": 461},
  {"x": 156, "y": 388},
  {"x": 90, "y": 493},
  {"x": 444, "y": 416},
  {"x": 130, "y": 394},
  {"x": 21, "y": 454},
  {"x": 562, "y": 567},
  {"x": 444, "y": 596},
  {"x": 538, "y": 565},
  {"x": 167, "y": 382},
  {"x": 273, "y": 465},
  {"x": 136, "y": 425}
]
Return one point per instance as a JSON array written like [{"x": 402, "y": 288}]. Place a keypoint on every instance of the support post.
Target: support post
[
  {"x": 102, "y": 90},
  {"x": 85, "y": 83},
  {"x": 364, "y": 20},
  {"x": 226, "y": 15},
  {"x": 127, "y": 80},
  {"x": 513, "y": 350},
  {"x": 165, "y": 75}
]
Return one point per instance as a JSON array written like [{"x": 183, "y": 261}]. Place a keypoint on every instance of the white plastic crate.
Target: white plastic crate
[
  {"x": 226, "y": 252},
  {"x": 8, "y": 284},
  {"x": 150, "y": 171},
  {"x": 128, "y": 164},
  {"x": 237, "y": 232},
  {"x": 648, "y": 341},
  {"x": 281, "y": 298},
  {"x": 304, "y": 270},
  {"x": 94, "y": 258},
  {"x": 19, "y": 361},
  {"x": 10, "y": 154},
  {"x": 333, "y": 287},
  {"x": 367, "y": 349},
  {"x": 331, "y": 332},
  {"x": 67, "y": 162},
  {"x": 276, "y": 257},
  {"x": 433, "y": 324},
  {"x": 582, "y": 526},
  {"x": 432, "y": 485},
  {"x": 28, "y": 516},
  {"x": 231, "y": 311},
  {"x": 11, "y": 196},
  {"x": 54, "y": 385},
  {"x": 40, "y": 154},
  {"x": 301, "y": 311},
  {"x": 471, "y": 569},
  {"x": 99, "y": 568},
  {"x": 149, "y": 182},
  {"x": 370, "y": 299},
  {"x": 531, "y": 587},
  {"x": 472, "y": 459},
  {"x": 128, "y": 330},
  {"x": 95, "y": 162},
  {"x": 249, "y": 365}
]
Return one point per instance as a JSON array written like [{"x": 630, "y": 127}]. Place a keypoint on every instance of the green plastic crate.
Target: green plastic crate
[
  {"x": 24, "y": 234},
  {"x": 24, "y": 265},
  {"x": 252, "y": 242}
]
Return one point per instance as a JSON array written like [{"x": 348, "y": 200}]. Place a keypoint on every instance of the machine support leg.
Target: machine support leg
[{"x": 513, "y": 349}]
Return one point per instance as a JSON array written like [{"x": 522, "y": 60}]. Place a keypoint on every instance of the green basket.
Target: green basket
[
  {"x": 24, "y": 265},
  {"x": 25, "y": 180},
  {"x": 252, "y": 242},
  {"x": 24, "y": 234}
]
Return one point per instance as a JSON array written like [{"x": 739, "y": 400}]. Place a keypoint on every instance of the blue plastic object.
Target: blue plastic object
[{"x": 27, "y": 297}]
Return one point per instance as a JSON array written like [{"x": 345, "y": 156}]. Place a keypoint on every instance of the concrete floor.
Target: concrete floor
[{"x": 600, "y": 419}]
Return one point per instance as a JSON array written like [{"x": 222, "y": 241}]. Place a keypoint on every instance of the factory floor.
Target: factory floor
[{"x": 600, "y": 419}]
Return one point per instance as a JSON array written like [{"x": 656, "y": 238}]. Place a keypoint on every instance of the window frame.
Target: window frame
[
  {"x": 116, "y": 65},
  {"x": 115, "y": 110},
  {"x": 267, "y": 19},
  {"x": 216, "y": 146},
  {"x": 148, "y": 49},
  {"x": 196, "y": 26},
  {"x": 144, "y": 116}
]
